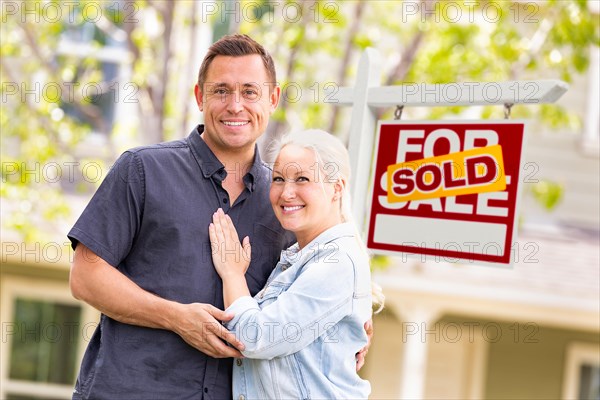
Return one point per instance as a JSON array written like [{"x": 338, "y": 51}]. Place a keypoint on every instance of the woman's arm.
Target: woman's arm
[{"x": 310, "y": 308}]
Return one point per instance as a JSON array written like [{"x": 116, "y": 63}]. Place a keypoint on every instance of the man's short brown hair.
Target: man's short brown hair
[{"x": 236, "y": 46}]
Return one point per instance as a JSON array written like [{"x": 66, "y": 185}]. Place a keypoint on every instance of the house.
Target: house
[
  {"x": 449, "y": 330},
  {"x": 463, "y": 331}
]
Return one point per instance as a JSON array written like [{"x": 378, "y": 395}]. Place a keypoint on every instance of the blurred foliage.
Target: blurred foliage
[
  {"x": 547, "y": 193},
  {"x": 379, "y": 262},
  {"x": 316, "y": 46}
]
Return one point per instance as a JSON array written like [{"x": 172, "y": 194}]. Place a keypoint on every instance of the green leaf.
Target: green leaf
[{"x": 548, "y": 193}]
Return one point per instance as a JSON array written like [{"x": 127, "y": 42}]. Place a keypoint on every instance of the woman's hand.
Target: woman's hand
[{"x": 231, "y": 259}]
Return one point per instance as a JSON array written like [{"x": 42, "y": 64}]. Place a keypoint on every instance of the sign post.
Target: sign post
[{"x": 367, "y": 95}]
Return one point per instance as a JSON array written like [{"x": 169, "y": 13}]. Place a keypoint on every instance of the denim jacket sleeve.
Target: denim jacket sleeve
[{"x": 309, "y": 307}]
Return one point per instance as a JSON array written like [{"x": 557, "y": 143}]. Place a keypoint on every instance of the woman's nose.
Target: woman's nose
[{"x": 289, "y": 190}]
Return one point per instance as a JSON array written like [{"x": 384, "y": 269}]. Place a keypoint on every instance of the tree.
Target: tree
[
  {"x": 435, "y": 42},
  {"x": 316, "y": 46},
  {"x": 65, "y": 68}
]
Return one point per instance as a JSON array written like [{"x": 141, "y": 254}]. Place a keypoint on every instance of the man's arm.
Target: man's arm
[{"x": 105, "y": 288}]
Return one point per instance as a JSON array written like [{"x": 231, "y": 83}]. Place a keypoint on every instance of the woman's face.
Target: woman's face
[{"x": 305, "y": 201}]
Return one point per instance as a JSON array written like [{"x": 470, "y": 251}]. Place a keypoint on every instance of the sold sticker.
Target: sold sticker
[{"x": 472, "y": 171}]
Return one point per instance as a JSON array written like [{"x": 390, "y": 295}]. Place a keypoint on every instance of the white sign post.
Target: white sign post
[{"x": 367, "y": 95}]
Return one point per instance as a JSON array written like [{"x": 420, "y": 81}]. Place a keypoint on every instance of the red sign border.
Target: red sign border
[{"x": 431, "y": 254}]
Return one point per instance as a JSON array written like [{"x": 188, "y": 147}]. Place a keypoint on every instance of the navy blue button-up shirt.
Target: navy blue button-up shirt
[{"x": 149, "y": 219}]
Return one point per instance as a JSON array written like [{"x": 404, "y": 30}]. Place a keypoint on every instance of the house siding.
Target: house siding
[{"x": 533, "y": 367}]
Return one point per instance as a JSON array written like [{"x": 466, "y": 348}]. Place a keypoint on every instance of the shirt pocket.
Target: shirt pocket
[
  {"x": 287, "y": 380},
  {"x": 270, "y": 293}
]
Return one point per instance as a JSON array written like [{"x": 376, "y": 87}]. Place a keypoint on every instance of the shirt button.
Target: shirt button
[
  {"x": 241, "y": 397},
  {"x": 205, "y": 390},
  {"x": 224, "y": 200},
  {"x": 238, "y": 362}
]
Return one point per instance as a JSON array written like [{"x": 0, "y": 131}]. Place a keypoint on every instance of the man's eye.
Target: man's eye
[
  {"x": 250, "y": 94},
  {"x": 220, "y": 91}
]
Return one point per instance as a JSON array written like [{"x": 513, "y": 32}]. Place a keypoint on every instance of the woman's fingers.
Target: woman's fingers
[
  {"x": 218, "y": 224},
  {"x": 247, "y": 248},
  {"x": 231, "y": 229},
  {"x": 223, "y": 233}
]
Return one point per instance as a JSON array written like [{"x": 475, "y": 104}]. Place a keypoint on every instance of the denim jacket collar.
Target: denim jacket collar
[{"x": 294, "y": 254}]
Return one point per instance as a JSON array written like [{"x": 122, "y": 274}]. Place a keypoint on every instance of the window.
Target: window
[
  {"x": 589, "y": 382},
  {"x": 43, "y": 337},
  {"x": 582, "y": 372},
  {"x": 44, "y": 342}
]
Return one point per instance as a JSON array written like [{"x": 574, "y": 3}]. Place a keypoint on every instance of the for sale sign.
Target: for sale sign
[{"x": 446, "y": 189}]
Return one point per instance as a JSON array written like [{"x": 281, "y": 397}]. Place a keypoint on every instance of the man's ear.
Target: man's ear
[
  {"x": 198, "y": 94},
  {"x": 274, "y": 97}
]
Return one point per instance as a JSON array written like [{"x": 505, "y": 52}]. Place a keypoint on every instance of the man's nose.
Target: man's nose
[{"x": 235, "y": 102}]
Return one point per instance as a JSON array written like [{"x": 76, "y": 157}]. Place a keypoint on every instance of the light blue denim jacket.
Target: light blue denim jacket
[{"x": 303, "y": 329}]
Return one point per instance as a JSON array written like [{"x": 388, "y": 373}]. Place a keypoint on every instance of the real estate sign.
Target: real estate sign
[{"x": 446, "y": 189}]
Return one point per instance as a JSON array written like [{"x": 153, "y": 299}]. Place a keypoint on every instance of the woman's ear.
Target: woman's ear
[{"x": 338, "y": 188}]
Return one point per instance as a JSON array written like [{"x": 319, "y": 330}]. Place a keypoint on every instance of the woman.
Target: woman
[{"x": 302, "y": 330}]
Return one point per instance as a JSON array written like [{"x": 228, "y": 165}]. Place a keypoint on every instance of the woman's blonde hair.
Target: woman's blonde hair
[{"x": 334, "y": 161}]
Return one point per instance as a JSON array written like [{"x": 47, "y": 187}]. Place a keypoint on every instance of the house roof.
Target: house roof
[{"x": 557, "y": 269}]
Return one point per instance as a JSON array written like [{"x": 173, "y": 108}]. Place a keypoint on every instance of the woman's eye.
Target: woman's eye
[
  {"x": 277, "y": 179},
  {"x": 302, "y": 179}
]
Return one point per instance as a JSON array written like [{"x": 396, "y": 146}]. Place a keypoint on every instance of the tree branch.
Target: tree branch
[
  {"x": 89, "y": 110},
  {"x": 158, "y": 98},
  {"x": 46, "y": 122},
  {"x": 537, "y": 41},
  {"x": 348, "y": 50},
  {"x": 129, "y": 25},
  {"x": 408, "y": 56},
  {"x": 278, "y": 126},
  {"x": 190, "y": 66}
]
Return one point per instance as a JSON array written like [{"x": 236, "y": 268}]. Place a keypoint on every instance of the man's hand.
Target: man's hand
[
  {"x": 201, "y": 329},
  {"x": 101, "y": 285},
  {"x": 360, "y": 356}
]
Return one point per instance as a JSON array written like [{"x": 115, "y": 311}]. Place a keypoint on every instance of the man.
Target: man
[{"x": 142, "y": 252}]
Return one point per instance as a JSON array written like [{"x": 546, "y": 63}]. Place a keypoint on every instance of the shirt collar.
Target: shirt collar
[
  {"x": 294, "y": 254},
  {"x": 210, "y": 164}
]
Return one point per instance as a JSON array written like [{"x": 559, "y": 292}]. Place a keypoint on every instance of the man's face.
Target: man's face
[{"x": 237, "y": 101}]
